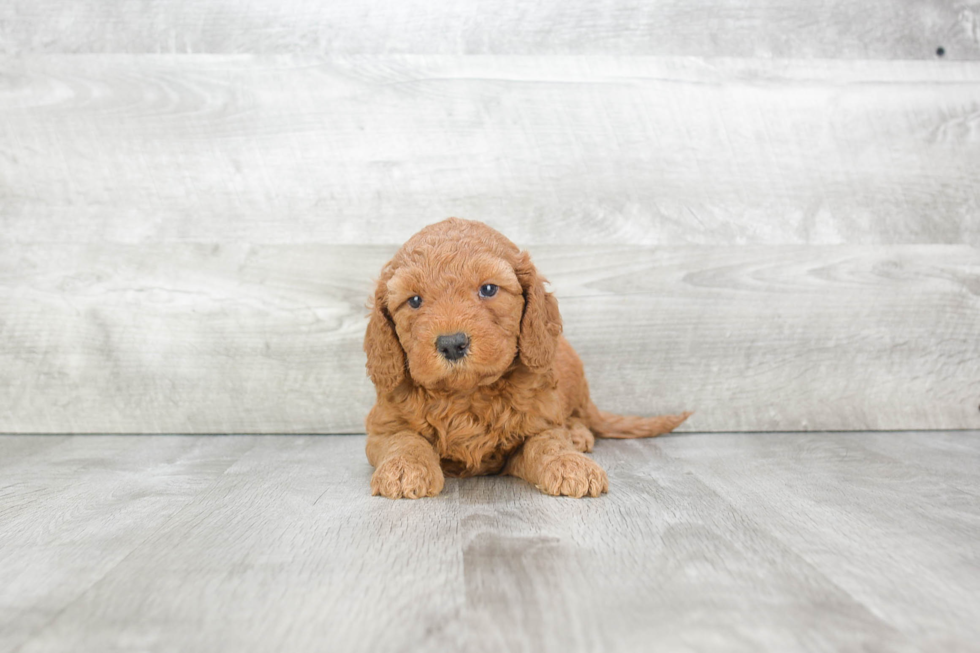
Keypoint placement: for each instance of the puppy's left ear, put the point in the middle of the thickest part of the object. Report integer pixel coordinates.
(541, 323)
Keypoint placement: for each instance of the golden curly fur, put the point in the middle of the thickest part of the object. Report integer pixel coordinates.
(516, 402)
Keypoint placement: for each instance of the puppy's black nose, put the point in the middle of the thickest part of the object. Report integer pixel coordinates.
(453, 347)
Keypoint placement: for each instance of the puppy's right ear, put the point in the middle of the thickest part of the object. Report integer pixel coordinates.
(385, 356)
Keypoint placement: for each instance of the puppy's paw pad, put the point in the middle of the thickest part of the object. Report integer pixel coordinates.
(404, 478)
(573, 475)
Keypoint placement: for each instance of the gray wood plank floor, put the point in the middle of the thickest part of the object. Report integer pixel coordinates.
(748, 542)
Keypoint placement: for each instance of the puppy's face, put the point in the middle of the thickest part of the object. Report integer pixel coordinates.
(457, 308)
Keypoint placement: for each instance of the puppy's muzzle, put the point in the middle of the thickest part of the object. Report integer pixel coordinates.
(453, 347)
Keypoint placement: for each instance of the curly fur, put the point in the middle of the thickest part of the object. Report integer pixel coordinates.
(517, 403)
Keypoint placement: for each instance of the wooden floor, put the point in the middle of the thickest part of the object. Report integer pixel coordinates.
(749, 542)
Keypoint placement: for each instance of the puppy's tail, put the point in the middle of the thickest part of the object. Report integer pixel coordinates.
(610, 425)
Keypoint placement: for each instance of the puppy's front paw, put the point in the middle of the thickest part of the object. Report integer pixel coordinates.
(400, 477)
(572, 474)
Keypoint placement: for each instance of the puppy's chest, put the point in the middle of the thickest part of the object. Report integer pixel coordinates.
(472, 438)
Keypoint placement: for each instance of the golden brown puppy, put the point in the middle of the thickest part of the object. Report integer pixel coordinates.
(473, 376)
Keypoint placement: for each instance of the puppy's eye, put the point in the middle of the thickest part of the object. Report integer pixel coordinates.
(488, 290)
(415, 301)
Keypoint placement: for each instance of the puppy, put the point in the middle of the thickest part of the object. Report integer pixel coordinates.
(473, 375)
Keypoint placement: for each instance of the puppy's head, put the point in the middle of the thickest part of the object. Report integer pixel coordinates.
(454, 309)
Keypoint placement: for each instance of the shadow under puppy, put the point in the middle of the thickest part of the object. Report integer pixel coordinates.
(473, 376)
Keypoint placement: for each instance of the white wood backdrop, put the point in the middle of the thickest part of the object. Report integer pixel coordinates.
(777, 206)
(872, 29)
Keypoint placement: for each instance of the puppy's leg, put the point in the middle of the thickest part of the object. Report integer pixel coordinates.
(406, 465)
(550, 462)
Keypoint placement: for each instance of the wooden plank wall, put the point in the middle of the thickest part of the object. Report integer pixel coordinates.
(777, 206)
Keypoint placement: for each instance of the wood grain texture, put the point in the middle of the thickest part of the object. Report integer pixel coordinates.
(577, 150)
(186, 338)
(875, 29)
(280, 548)
(841, 486)
(253, 339)
(75, 511)
(775, 542)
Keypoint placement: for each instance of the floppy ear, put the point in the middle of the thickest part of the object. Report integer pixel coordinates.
(385, 356)
(541, 323)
